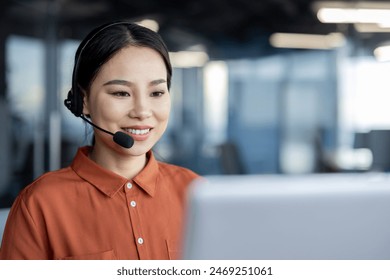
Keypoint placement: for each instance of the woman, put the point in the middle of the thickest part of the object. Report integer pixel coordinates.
(112, 202)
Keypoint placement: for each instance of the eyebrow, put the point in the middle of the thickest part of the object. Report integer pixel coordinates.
(128, 83)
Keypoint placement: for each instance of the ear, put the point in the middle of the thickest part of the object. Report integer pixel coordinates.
(86, 111)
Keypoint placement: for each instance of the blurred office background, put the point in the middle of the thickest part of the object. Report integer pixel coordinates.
(259, 87)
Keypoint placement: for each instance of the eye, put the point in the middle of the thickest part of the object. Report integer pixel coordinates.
(157, 93)
(121, 94)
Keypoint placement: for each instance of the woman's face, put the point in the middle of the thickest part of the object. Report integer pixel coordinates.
(130, 94)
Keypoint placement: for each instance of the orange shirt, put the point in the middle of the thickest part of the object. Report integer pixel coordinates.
(87, 212)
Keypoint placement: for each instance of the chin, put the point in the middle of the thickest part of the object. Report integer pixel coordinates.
(136, 150)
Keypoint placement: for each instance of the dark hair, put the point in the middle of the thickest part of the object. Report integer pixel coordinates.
(105, 41)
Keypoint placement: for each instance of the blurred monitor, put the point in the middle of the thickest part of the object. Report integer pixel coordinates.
(360, 140)
(379, 144)
(288, 217)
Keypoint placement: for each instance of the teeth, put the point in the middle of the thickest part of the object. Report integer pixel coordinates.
(137, 131)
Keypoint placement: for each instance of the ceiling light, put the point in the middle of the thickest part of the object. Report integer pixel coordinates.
(336, 15)
(307, 41)
(149, 23)
(353, 12)
(186, 59)
(382, 53)
(371, 28)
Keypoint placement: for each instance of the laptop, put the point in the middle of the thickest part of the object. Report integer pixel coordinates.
(289, 217)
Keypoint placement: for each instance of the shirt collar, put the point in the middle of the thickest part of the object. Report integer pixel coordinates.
(109, 182)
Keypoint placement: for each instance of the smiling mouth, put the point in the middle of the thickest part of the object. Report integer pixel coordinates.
(137, 131)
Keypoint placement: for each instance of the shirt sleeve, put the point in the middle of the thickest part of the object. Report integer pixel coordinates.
(22, 238)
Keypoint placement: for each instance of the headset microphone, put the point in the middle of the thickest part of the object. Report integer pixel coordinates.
(122, 139)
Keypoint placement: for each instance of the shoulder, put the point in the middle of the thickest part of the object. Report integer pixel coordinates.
(175, 175)
(48, 184)
(175, 178)
(175, 171)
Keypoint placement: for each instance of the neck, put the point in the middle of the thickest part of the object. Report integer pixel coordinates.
(125, 165)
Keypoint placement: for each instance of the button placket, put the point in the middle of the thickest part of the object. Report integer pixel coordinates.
(133, 198)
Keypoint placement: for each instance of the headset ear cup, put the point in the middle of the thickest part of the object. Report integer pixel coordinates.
(74, 102)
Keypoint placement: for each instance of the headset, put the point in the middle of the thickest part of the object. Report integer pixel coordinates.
(74, 101)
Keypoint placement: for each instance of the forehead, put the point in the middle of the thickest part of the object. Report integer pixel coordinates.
(133, 59)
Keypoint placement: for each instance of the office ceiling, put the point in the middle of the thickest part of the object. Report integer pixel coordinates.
(225, 27)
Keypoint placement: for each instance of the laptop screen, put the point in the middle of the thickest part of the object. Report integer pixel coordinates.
(339, 216)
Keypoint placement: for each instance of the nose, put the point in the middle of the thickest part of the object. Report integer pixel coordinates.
(140, 108)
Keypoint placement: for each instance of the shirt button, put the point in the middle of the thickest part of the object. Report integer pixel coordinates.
(140, 241)
(133, 203)
(129, 185)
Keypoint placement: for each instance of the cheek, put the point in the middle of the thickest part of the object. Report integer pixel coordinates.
(105, 110)
(163, 111)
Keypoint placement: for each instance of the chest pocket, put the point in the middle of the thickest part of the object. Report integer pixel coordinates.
(174, 249)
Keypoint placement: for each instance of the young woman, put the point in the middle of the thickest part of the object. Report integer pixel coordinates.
(115, 201)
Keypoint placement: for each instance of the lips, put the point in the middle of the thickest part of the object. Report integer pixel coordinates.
(138, 133)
